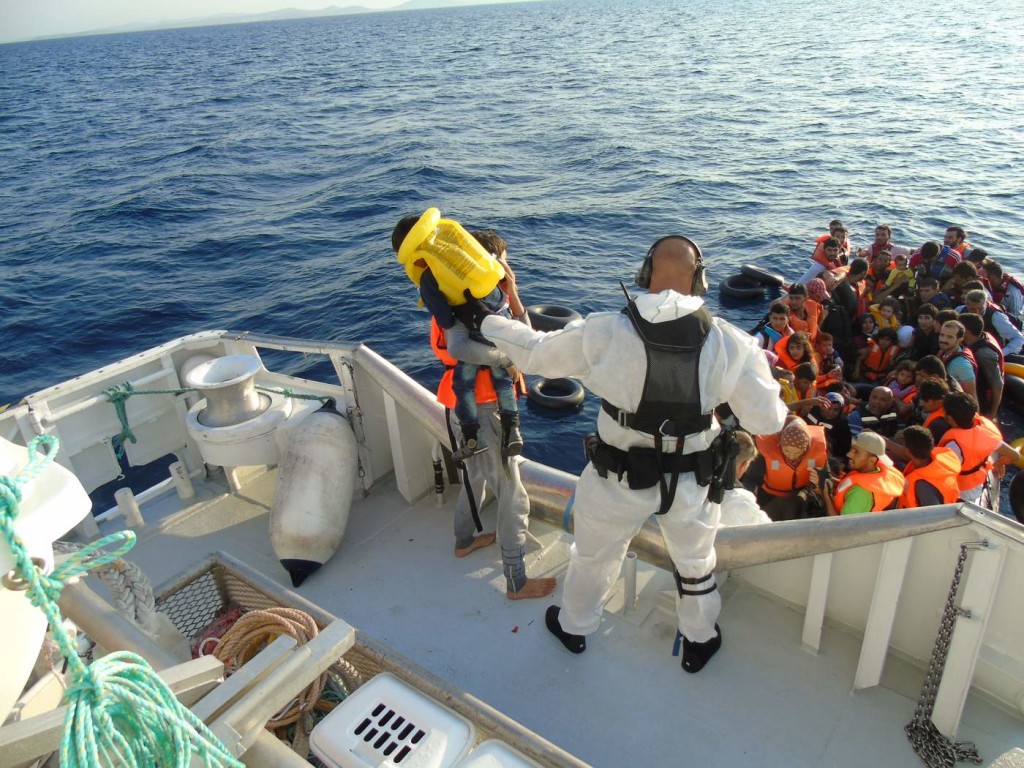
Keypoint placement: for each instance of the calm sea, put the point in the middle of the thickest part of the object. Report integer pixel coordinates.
(248, 176)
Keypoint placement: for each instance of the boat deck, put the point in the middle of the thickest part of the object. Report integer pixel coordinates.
(764, 700)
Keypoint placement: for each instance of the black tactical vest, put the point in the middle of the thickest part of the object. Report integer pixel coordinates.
(670, 403)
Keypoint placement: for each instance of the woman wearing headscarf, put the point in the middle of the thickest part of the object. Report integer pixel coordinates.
(789, 457)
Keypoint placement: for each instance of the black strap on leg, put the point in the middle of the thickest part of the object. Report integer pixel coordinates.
(682, 583)
(465, 473)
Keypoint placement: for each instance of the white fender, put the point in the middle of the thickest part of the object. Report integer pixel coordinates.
(51, 505)
(315, 482)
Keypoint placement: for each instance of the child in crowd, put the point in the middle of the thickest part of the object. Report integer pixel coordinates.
(901, 382)
(830, 364)
(458, 334)
(863, 331)
(886, 313)
(902, 275)
(793, 350)
(877, 359)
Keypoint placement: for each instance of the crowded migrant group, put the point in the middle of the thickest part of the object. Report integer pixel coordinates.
(891, 362)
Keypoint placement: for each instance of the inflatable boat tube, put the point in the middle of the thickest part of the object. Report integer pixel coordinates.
(758, 275)
(551, 317)
(315, 482)
(1014, 369)
(1016, 495)
(1019, 359)
(556, 393)
(1013, 393)
(741, 287)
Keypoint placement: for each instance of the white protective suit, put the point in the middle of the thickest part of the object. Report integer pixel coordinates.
(607, 355)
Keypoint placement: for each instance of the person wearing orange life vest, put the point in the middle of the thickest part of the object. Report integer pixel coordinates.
(877, 359)
(805, 314)
(873, 484)
(831, 252)
(793, 350)
(486, 474)
(931, 394)
(931, 473)
(975, 440)
(789, 456)
(955, 238)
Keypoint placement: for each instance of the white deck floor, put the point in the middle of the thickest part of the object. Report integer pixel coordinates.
(764, 700)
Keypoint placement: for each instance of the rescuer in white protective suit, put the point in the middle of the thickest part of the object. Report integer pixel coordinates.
(658, 449)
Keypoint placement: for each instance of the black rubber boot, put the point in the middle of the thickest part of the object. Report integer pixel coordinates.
(696, 655)
(573, 643)
(511, 437)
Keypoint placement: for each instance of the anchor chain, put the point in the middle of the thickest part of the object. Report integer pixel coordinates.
(935, 749)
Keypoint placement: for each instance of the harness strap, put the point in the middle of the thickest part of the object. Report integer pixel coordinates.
(668, 491)
(627, 420)
(975, 468)
(470, 496)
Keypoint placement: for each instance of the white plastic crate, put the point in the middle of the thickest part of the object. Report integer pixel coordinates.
(496, 754)
(388, 723)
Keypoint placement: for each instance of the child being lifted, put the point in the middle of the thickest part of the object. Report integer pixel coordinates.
(446, 262)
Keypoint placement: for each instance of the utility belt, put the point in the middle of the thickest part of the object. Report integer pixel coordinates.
(713, 468)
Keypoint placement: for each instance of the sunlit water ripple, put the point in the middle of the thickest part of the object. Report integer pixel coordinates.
(248, 177)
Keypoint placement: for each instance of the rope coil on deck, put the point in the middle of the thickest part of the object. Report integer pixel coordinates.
(253, 632)
(120, 713)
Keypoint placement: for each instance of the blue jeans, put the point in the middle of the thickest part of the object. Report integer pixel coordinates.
(464, 385)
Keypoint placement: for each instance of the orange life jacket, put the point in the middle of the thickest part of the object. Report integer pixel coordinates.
(780, 479)
(938, 413)
(820, 257)
(484, 388)
(810, 325)
(785, 359)
(976, 444)
(878, 363)
(885, 486)
(942, 472)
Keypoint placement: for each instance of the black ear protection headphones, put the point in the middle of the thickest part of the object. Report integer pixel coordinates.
(700, 278)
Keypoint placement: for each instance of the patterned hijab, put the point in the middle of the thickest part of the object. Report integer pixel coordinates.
(795, 435)
(817, 290)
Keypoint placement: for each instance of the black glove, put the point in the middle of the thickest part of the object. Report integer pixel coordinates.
(473, 312)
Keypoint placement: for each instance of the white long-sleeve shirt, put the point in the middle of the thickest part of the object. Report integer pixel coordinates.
(606, 354)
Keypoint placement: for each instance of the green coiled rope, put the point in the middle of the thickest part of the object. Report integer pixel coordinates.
(120, 712)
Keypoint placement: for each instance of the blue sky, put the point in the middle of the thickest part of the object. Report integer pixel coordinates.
(25, 19)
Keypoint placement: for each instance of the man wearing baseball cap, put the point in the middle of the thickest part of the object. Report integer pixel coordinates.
(871, 485)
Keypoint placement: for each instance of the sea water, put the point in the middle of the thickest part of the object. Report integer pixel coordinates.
(248, 176)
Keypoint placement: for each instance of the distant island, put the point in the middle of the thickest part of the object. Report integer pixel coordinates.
(281, 15)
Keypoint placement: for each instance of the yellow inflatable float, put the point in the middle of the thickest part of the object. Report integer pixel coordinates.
(1019, 445)
(453, 255)
(1015, 369)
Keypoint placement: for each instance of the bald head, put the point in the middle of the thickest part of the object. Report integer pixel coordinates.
(674, 263)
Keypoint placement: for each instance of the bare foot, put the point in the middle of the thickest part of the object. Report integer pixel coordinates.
(533, 588)
(483, 540)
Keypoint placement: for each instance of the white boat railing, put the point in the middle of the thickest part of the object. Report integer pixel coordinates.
(398, 422)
